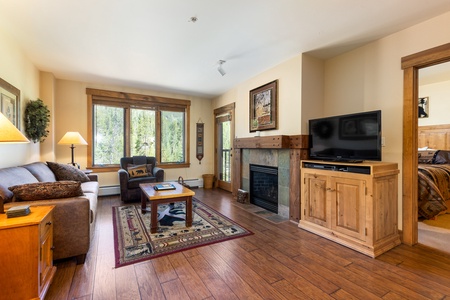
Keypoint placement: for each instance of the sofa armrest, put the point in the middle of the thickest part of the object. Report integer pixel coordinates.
(93, 177)
(159, 174)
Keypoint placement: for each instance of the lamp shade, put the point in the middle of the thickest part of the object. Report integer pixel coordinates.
(9, 133)
(72, 138)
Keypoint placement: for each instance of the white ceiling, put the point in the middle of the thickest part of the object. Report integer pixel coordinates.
(153, 44)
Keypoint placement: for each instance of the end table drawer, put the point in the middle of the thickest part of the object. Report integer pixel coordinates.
(46, 224)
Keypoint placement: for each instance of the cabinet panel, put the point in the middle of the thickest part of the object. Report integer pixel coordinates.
(385, 210)
(348, 206)
(315, 199)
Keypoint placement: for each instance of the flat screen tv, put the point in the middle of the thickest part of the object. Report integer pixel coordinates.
(351, 138)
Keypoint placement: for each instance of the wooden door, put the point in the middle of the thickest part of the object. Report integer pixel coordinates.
(224, 133)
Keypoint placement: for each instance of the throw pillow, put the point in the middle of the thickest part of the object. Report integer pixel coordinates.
(46, 190)
(67, 172)
(148, 166)
(138, 171)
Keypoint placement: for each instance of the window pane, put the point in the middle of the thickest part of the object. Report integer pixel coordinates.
(142, 135)
(108, 135)
(172, 137)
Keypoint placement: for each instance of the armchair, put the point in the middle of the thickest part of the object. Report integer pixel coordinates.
(129, 184)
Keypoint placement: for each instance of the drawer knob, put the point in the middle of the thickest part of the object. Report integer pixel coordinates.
(48, 223)
(52, 248)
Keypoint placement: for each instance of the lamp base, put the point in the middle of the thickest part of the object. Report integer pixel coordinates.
(74, 164)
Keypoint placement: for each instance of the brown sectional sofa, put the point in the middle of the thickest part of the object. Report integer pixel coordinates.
(74, 217)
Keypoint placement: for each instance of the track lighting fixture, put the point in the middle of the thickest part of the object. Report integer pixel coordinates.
(220, 69)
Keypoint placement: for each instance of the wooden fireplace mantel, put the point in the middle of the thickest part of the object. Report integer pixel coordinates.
(272, 142)
(298, 146)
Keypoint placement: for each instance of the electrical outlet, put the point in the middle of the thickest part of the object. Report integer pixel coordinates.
(383, 142)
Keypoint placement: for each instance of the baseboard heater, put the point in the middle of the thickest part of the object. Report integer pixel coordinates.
(109, 190)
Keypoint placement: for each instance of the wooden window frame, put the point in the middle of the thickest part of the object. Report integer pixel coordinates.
(131, 100)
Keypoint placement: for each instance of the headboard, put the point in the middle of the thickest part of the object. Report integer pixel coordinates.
(434, 137)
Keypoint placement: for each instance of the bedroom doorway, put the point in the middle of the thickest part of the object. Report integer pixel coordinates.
(223, 145)
(411, 65)
(433, 128)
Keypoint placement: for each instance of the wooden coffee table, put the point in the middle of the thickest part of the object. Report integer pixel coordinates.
(181, 193)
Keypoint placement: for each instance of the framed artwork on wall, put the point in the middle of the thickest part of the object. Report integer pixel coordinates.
(10, 102)
(424, 107)
(263, 107)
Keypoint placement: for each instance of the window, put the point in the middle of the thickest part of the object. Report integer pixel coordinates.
(125, 124)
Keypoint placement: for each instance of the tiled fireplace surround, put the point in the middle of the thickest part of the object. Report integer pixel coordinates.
(282, 151)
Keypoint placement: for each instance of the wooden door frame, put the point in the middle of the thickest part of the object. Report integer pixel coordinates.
(229, 108)
(411, 65)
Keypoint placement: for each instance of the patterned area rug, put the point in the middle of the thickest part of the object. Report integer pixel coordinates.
(133, 241)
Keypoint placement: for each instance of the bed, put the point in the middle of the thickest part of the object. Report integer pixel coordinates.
(433, 171)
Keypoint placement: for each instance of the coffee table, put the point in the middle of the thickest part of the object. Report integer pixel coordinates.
(180, 193)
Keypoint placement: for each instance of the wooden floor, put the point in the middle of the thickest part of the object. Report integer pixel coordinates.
(280, 261)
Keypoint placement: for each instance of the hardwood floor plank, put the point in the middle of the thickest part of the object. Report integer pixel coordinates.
(246, 272)
(149, 285)
(164, 269)
(279, 261)
(62, 281)
(218, 288)
(237, 284)
(188, 277)
(126, 283)
(174, 290)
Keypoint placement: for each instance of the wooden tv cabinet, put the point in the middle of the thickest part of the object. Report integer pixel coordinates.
(353, 204)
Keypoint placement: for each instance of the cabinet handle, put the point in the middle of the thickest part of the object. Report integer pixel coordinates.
(52, 248)
(329, 189)
(48, 223)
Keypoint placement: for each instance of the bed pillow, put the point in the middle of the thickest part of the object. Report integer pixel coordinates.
(46, 190)
(67, 172)
(427, 156)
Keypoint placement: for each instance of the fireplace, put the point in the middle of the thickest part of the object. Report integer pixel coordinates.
(264, 187)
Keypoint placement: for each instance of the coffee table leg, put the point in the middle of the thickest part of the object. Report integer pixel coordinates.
(153, 216)
(143, 203)
(189, 212)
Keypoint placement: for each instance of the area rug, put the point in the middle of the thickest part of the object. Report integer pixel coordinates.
(134, 243)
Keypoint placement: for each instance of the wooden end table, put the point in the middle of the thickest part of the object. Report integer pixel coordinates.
(180, 193)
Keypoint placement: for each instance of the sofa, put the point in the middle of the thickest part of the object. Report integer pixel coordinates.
(73, 193)
(134, 171)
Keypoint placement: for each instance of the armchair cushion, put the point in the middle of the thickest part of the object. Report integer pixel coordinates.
(140, 170)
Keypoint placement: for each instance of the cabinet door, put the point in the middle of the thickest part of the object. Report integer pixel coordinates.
(348, 206)
(315, 199)
(46, 258)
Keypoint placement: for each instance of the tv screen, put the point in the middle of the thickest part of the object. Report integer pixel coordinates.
(354, 137)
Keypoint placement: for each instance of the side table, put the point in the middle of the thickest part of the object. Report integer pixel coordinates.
(26, 254)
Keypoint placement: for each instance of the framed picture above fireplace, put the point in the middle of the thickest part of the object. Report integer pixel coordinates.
(263, 107)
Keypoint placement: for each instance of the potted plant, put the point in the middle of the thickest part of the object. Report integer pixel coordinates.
(37, 117)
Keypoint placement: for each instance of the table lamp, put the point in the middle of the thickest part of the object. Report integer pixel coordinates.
(72, 138)
(9, 134)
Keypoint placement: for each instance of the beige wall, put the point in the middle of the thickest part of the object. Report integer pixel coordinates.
(371, 78)
(16, 69)
(71, 115)
(288, 75)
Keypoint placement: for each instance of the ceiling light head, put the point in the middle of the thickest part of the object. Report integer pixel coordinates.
(220, 69)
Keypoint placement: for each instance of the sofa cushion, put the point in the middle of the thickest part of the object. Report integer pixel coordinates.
(67, 172)
(41, 171)
(13, 176)
(46, 190)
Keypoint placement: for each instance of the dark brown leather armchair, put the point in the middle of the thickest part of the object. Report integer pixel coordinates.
(129, 186)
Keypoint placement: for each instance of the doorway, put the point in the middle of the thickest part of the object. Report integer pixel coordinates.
(411, 65)
(223, 145)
